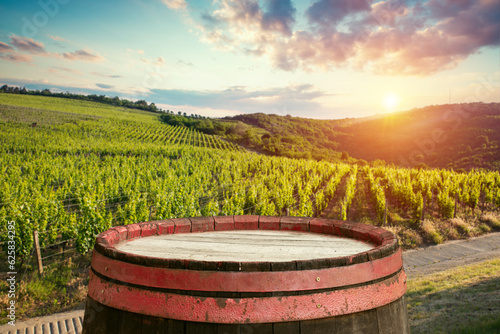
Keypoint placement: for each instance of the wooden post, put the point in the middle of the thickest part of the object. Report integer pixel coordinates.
(150, 212)
(37, 252)
(287, 211)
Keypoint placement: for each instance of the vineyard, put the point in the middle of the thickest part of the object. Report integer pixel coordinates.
(72, 169)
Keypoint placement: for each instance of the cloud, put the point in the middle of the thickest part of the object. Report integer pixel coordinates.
(441, 9)
(175, 4)
(388, 37)
(17, 58)
(138, 51)
(112, 76)
(5, 48)
(299, 98)
(244, 25)
(57, 38)
(329, 13)
(418, 48)
(280, 16)
(294, 99)
(31, 46)
(85, 55)
(159, 61)
(27, 44)
(7, 52)
(186, 63)
(103, 86)
(57, 69)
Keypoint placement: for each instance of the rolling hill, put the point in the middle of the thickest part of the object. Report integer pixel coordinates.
(459, 136)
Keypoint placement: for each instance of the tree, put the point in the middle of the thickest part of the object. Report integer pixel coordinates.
(345, 156)
(141, 103)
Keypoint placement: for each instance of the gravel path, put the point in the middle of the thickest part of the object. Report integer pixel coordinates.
(428, 260)
(418, 262)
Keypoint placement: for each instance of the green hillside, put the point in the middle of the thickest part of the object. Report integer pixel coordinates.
(447, 136)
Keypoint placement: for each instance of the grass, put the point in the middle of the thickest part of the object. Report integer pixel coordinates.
(460, 300)
(435, 231)
(491, 219)
(430, 232)
(61, 287)
(484, 325)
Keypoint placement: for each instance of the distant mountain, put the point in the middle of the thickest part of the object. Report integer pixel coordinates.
(451, 136)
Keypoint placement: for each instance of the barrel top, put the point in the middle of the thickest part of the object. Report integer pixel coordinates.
(249, 245)
(253, 243)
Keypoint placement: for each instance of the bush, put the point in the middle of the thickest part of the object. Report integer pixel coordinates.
(430, 232)
(492, 220)
(461, 226)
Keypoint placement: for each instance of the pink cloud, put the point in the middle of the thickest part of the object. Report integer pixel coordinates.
(17, 58)
(27, 44)
(138, 51)
(85, 55)
(390, 37)
(57, 38)
(245, 21)
(159, 61)
(58, 69)
(175, 4)
(5, 48)
(33, 47)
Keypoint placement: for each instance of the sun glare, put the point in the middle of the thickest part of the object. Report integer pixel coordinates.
(391, 102)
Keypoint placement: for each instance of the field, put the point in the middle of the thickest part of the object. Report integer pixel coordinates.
(461, 300)
(72, 169)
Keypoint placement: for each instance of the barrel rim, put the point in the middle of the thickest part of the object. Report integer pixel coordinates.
(386, 243)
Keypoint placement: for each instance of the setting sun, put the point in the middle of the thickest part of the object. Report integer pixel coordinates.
(390, 101)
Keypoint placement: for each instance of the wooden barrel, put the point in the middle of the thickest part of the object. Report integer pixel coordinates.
(246, 274)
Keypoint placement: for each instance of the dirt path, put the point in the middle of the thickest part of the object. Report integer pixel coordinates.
(418, 262)
(428, 260)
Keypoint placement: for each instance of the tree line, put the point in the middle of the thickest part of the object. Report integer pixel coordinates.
(115, 101)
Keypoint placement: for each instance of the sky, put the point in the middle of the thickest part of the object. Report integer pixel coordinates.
(324, 59)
